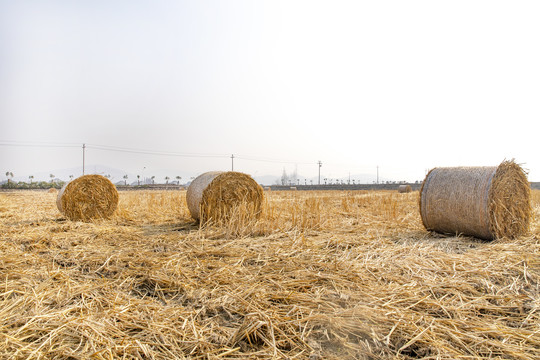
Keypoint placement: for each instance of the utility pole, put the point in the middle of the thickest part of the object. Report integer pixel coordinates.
(377, 174)
(232, 162)
(320, 164)
(83, 151)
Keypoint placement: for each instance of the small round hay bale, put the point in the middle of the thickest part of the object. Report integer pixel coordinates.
(485, 202)
(404, 189)
(216, 195)
(88, 197)
(52, 190)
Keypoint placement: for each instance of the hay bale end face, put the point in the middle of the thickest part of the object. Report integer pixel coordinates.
(404, 188)
(88, 197)
(217, 195)
(485, 202)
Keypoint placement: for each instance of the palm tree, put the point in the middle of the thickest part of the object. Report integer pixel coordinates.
(52, 178)
(31, 177)
(9, 176)
(138, 177)
(152, 177)
(178, 178)
(167, 180)
(70, 177)
(125, 179)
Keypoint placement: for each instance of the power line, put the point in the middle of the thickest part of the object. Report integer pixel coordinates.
(40, 145)
(146, 151)
(152, 152)
(168, 153)
(272, 160)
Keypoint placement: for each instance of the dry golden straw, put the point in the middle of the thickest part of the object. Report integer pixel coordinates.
(216, 196)
(88, 197)
(404, 188)
(485, 202)
(325, 274)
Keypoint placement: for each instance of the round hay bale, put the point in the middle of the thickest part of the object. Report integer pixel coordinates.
(216, 195)
(88, 197)
(485, 202)
(52, 190)
(404, 189)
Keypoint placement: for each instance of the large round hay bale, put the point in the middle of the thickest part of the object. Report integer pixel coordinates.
(485, 202)
(216, 196)
(404, 189)
(88, 197)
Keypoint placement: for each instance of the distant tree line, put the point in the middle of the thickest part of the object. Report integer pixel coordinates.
(33, 185)
(10, 184)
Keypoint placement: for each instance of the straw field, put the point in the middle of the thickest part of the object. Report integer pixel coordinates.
(319, 275)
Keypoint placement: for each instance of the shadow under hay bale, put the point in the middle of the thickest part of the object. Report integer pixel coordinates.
(216, 196)
(404, 189)
(88, 197)
(485, 202)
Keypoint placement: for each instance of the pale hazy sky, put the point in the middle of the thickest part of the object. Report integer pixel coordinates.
(406, 85)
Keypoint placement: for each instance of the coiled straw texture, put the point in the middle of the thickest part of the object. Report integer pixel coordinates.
(88, 197)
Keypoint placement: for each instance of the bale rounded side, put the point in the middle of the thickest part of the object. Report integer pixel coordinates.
(404, 189)
(485, 202)
(88, 197)
(217, 195)
(195, 191)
